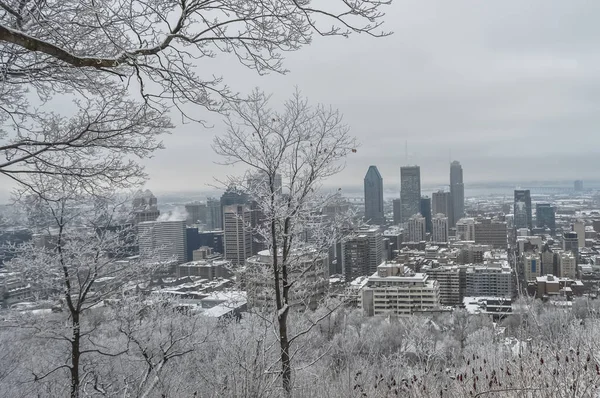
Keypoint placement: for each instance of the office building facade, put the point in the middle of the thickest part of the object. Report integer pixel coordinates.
(440, 229)
(522, 209)
(457, 192)
(373, 184)
(426, 212)
(491, 232)
(237, 234)
(441, 203)
(163, 241)
(545, 216)
(416, 228)
(410, 191)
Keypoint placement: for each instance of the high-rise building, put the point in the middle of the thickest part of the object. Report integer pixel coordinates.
(355, 257)
(196, 213)
(567, 265)
(465, 229)
(393, 291)
(397, 209)
(426, 212)
(410, 191)
(545, 216)
(362, 253)
(578, 185)
(441, 203)
(374, 197)
(237, 236)
(522, 209)
(490, 232)
(452, 282)
(416, 228)
(214, 214)
(440, 228)
(457, 191)
(571, 243)
(145, 207)
(532, 266)
(255, 182)
(579, 228)
(163, 241)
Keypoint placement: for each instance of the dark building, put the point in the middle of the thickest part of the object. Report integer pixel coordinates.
(522, 209)
(426, 212)
(410, 191)
(212, 239)
(457, 192)
(355, 254)
(192, 241)
(545, 216)
(397, 208)
(374, 197)
(196, 213)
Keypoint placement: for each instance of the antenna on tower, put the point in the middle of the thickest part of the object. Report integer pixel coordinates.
(406, 151)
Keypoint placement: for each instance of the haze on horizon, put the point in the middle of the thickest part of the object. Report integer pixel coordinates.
(510, 89)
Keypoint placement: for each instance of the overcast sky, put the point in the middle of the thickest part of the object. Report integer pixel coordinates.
(511, 88)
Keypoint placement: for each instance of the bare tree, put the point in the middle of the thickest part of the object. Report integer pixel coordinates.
(77, 261)
(301, 145)
(90, 54)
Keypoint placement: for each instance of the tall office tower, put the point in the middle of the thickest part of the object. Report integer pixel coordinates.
(214, 216)
(145, 207)
(426, 212)
(579, 228)
(163, 240)
(196, 213)
(374, 197)
(493, 233)
(355, 257)
(416, 228)
(457, 191)
(237, 233)
(578, 185)
(440, 228)
(410, 191)
(522, 209)
(545, 216)
(441, 203)
(233, 196)
(571, 243)
(465, 229)
(397, 208)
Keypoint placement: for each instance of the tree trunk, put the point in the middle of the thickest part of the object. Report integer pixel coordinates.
(75, 355)
(286, 369)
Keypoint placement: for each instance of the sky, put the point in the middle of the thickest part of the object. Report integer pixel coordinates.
(511, 89)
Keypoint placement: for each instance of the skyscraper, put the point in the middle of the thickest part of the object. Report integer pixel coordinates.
(416, 228)
(545, 216)
(163, 240)
(145, 207)
(374, 197)
(457, 192)
(237, 233)
(397, 210)
(214, 216)
(441, 203)
(410, 191)
(440, 228)
(196, 213)
(522, 209)
(426, 212)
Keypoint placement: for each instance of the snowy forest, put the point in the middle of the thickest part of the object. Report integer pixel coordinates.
(150, 351)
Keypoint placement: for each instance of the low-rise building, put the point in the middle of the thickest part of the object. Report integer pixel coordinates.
(395, 290)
